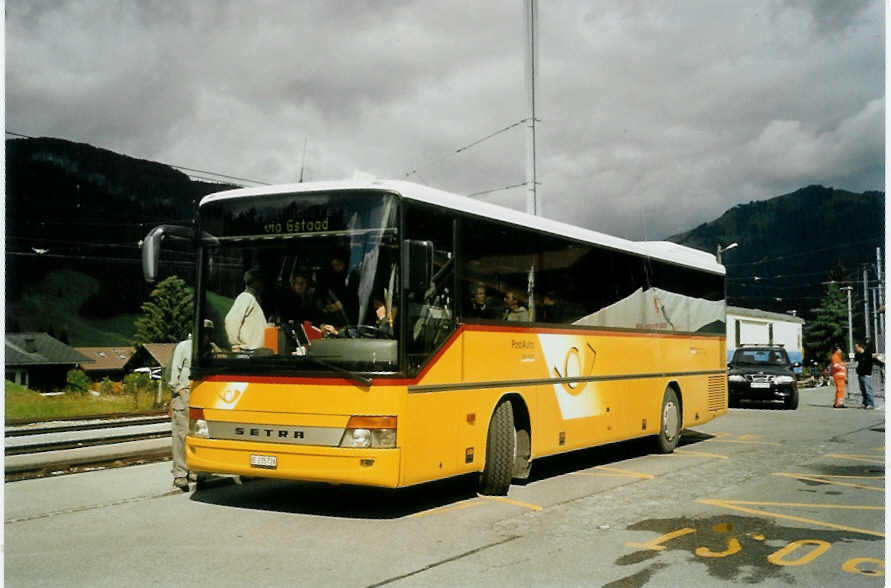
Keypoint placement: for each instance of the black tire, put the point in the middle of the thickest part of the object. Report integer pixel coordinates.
(669, 423)
(791, 401)
(201, 482)
(501, 448)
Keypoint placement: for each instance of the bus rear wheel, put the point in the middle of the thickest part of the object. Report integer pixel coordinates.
(670, 422)
(501, 450)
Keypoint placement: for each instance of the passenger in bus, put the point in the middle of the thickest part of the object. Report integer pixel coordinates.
(479, 304)
(245, 322)
(551, 309)
(336, 296)
(297, 303)
(514, 311)
(385, 323)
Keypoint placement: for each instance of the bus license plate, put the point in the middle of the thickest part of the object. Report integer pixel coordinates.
(760, 384)
(268, 462)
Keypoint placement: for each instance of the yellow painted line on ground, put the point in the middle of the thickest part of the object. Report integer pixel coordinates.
(748, 437)
(737, 505)
(656, 544)
(741, 442)
(799, 504)
(816, 478)
(441, 509)
(626, 472)
(865, 458)
(511, 501)
(684, 452)
(603, 475)
(880, 448)
(847, 477)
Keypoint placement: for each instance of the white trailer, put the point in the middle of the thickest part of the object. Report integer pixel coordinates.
(760, 327)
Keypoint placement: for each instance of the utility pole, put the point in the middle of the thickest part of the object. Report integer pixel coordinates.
(866, 301)
(533, 206)
(848, 289)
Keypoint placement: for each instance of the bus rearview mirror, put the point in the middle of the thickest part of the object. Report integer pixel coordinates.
(151, 247)
(418, 264)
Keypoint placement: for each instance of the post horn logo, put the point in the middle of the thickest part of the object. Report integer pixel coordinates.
(577, 365)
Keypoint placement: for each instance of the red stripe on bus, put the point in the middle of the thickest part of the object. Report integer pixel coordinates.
(385, 381)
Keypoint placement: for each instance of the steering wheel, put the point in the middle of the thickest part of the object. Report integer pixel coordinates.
(368, 331)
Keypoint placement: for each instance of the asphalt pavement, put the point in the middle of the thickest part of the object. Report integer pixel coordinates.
(761, 496)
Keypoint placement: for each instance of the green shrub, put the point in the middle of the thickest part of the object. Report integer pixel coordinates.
(136, 383)
(106, 387)
(77, 381)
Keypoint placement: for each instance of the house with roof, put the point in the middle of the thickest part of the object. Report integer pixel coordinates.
(108, 362)
(150, 355)
(39, 361)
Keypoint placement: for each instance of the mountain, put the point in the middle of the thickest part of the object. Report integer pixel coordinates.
(72, 207)
(790, 245)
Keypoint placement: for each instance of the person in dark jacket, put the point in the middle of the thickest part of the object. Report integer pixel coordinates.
(551, 309)
(480, 307)
(864, 356)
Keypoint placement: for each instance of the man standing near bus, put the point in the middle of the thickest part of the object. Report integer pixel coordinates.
(180, 385)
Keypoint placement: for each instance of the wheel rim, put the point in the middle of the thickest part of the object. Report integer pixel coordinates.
(669, 421)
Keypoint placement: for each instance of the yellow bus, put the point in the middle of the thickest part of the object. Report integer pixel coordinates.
(384, 333)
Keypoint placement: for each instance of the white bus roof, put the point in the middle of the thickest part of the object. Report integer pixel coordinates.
(663, 250)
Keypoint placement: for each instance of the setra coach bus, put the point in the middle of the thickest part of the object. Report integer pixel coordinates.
(387, 334)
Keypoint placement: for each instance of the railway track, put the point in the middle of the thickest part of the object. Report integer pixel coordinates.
(42, 449)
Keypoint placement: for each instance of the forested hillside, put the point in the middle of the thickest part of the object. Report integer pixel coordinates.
(790, 245)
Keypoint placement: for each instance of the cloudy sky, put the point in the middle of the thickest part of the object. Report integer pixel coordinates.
(655, 116)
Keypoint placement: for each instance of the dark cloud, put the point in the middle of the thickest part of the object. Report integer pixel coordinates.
(655, 116)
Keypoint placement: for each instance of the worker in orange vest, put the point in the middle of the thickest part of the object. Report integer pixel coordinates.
(840, 375)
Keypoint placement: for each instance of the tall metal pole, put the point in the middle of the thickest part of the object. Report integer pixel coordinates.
(875, 319)
(880, 272)
(533, 206)
(850, 324)
(866, 301)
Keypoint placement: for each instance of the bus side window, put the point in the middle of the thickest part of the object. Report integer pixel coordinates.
(430, 314)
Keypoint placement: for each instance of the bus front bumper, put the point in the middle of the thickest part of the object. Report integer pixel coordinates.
(336, 465)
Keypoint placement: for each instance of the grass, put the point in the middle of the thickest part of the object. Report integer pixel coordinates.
(25, 404)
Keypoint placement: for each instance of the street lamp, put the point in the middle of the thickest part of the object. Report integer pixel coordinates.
(721, 250)
(848, 289)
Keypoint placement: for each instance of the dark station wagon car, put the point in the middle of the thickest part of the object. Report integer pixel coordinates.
(762, 373)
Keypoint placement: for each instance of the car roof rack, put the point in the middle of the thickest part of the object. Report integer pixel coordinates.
(761, 345)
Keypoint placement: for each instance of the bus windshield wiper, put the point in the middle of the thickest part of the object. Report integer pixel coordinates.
(352, 376)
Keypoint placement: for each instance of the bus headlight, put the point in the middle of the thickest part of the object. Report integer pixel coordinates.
(197, 423)
(371, 432)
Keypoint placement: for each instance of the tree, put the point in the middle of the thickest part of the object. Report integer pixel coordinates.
(829, 328)
(167, 316)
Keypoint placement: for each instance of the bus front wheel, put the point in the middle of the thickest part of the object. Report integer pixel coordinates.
(501, 449)
(670, 422)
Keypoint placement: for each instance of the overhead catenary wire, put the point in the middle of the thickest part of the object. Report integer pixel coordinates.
(871, 239)
(415, 170)
(497, 189)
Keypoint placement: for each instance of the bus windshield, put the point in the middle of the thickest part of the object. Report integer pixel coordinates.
(300, 282)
